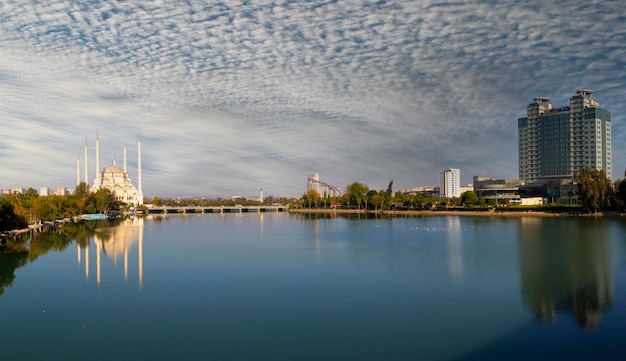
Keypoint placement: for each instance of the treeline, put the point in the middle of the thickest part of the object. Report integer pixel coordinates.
(357, 195)
(595, 193)
(20, 210)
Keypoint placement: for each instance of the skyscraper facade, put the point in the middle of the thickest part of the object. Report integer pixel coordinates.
(450, 183)
(554, 143)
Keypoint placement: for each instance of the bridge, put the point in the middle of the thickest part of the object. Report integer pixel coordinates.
(222, 209)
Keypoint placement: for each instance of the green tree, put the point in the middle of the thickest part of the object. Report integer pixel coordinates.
(399, 199)
(357, 194)
(620, 188)
(378, 200)
(102, 201)
(593, 188)
(389, 193)
(469, 198)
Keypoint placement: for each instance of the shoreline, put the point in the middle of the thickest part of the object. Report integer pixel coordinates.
(451, 213)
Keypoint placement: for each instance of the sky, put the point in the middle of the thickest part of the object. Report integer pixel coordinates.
(229, 97)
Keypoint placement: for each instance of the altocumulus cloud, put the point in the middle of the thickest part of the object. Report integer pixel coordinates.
(239, 95)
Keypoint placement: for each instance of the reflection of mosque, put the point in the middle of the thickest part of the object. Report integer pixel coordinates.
(566, 268)
(116, 243)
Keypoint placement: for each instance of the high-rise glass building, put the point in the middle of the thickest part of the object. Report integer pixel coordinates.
(554, 143)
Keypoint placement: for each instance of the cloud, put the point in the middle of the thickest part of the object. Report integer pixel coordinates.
(232, 97)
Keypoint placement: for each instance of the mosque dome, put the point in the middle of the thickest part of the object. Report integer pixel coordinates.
(112, 169)
(116, 179)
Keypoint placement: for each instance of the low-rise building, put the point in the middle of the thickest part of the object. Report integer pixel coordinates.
(505, 190)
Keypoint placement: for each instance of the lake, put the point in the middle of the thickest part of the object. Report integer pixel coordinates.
(275, 286)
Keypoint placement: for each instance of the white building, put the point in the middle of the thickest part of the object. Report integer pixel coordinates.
(44, 191)
(114, 178)
(323, 189)
(450, 183)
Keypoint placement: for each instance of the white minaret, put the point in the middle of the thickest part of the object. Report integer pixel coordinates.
(78, 169)
(261, 196)
(96, 182)
(86, 164)
(139, 188)
(125, 170)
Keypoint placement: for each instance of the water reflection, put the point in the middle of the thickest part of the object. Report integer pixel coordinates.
(566, 268)
(18, 252)
(9, 262)
(454, 248)
(116, 243)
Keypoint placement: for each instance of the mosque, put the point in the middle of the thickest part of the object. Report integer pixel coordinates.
(114, 178)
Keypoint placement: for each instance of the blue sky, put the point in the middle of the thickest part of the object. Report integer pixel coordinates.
(229, 97)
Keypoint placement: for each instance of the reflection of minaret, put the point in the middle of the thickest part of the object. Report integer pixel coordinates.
(98, 264)
(117, 241)
(454, 248)
(566, 267)
(87, 261)
(140, 260)
(261, 220)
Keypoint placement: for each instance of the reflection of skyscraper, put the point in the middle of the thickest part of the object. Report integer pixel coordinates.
(566, 266)
(454, 248)
(117, 243)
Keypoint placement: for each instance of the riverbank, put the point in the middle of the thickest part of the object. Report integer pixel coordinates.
(33, 228)
(486, 213)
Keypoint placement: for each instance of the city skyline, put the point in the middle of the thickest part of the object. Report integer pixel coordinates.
(228, 99)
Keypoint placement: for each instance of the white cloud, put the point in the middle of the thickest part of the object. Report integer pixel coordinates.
(231, 98)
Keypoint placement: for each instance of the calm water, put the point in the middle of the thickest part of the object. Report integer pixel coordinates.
(285, 287)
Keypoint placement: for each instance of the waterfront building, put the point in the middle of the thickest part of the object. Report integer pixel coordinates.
(554, 143)
(450, 183)
(504, 190)
(428, 191)
(323, 189)
(44, 191)
(116, 179)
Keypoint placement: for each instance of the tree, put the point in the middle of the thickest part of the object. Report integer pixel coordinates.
(593, 188)
(469, 198)
(311, 197)
(357, 193)
(389, 193)
(400, 198)
(620, 188)
(103, 201)
(8, 219)
(378, 200)
(82, 190)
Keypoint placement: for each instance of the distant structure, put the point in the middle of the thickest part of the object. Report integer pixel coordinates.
(44, 191)
(450, 183)
(501, 190)
(554, 143)
(114, 178)
(323, 189)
